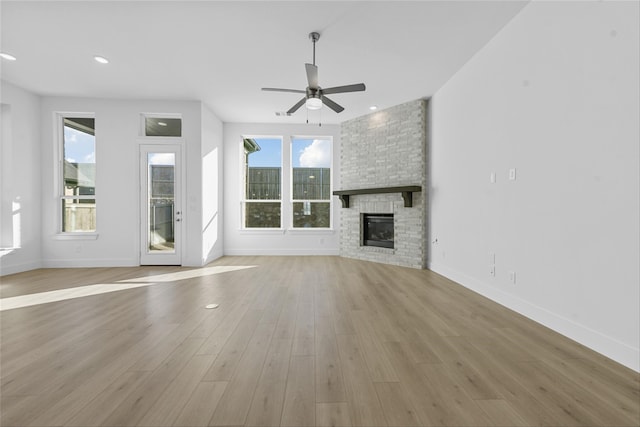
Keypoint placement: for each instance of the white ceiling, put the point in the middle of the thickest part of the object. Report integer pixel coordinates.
(223, 52)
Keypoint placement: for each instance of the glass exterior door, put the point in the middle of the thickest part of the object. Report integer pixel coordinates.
(160, 205)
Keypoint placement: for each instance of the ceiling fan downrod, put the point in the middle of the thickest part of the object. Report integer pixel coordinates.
(314, 38)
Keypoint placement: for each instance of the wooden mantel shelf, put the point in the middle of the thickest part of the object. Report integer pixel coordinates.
(407, 193)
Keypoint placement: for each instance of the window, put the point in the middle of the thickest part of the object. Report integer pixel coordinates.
(263, 187)
(162, 125)
(78, 187)
(311, 182)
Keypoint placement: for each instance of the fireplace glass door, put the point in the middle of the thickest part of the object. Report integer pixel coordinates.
(377, 230)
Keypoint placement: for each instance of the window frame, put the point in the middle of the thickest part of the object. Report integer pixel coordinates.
(59, 181)
(291, 192)
(243, 187)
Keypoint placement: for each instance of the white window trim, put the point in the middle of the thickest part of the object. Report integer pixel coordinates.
(76, 236)
(58, 179)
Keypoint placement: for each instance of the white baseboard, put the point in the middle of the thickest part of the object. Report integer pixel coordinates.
(212, 257)
(88, 263)
(282, 252)
(5, 269)
(611, 348)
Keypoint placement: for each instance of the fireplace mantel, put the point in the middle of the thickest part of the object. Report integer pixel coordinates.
(407, 193)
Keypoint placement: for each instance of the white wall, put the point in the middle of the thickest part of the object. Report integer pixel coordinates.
(268, 242)
(20, 156)
(212, 194)
(118, 135)
(556, 96)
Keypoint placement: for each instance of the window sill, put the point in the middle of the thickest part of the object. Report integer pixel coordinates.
(314, 231)
(300, 231)
(76, 236)
(266, 231)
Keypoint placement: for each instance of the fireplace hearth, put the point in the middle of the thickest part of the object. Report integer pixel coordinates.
(377, 230)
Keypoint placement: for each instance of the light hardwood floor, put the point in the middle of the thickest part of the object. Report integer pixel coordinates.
(296, 341)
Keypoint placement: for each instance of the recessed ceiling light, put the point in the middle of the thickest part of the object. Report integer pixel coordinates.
(373, 107)
(7, 56)
(101, 59)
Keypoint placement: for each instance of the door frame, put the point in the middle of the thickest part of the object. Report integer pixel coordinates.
(145, 256)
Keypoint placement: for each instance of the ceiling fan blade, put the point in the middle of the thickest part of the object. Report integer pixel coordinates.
(298, 105)
(329, 103)
(348, 88)
(312, 75)
(275, 89)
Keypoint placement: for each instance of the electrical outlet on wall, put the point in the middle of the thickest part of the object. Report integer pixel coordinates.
(491, 256)
(512, 277)
(512, 174)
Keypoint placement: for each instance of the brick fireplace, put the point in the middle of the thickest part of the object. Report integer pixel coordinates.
(386, 149)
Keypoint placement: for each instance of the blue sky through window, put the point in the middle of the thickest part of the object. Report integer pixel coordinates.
(305, 152)
(79, 147)
(270, 154)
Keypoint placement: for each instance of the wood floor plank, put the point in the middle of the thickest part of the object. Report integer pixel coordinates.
(333, 415)
(437, 400)
(501, 413)
(60, 411)
(96, 411)
(16, 410)
(328, 370)
(359, 389)
(285, 326)
(581, 407)
(622, 397)
(374, 353)
(467, 370)
(459, 408)
(300, 401)
(227, 360)
(221, 334)
(236, 401)
(201, 404)
(169, 406)
(143, 397)
(304, 334)
(266, 405)
(396, 404)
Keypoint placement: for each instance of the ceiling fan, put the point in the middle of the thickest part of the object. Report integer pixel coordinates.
(315, 95)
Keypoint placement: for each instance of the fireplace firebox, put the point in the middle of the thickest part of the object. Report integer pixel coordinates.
(377, 230)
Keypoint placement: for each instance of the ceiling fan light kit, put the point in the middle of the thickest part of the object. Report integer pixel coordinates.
(315, 97)
(313, 103)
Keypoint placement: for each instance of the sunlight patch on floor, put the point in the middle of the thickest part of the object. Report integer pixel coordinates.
(189, 274)
(89, 290)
